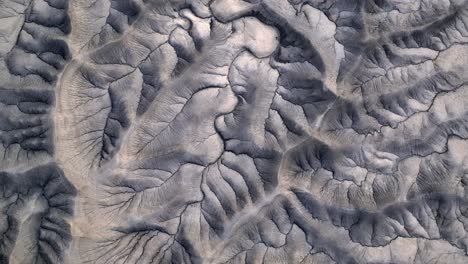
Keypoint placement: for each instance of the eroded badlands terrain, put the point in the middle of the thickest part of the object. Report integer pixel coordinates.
(233, 131)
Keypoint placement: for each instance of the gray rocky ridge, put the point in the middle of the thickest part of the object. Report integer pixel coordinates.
(233, 131)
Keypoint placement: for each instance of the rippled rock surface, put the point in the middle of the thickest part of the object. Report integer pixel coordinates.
(233, 131)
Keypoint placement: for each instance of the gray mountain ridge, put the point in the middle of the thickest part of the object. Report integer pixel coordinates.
(233, 131)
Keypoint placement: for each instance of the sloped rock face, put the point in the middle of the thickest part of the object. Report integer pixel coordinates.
(233, 131)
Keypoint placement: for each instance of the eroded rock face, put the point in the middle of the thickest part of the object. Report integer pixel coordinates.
(233, 131)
